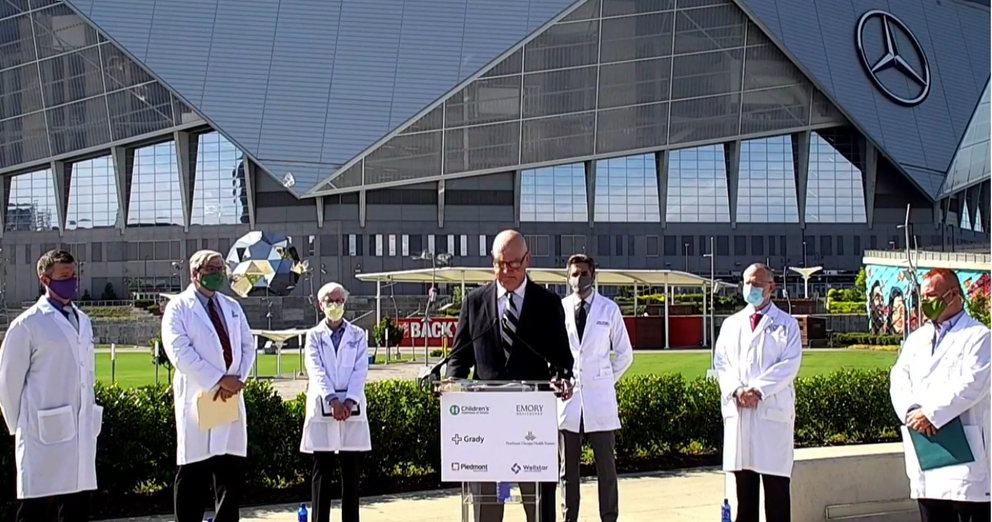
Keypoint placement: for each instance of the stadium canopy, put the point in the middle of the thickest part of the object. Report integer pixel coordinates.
(668, 279)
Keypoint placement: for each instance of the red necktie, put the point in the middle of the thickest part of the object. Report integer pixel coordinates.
(755, 319)
(225, 341)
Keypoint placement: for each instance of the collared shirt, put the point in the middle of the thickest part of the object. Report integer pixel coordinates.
(585, 303)
(67, 311)
(518, 297)
(336, 335)
(941, 330)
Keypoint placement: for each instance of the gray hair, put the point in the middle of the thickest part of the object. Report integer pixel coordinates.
(202, 258)
(329, 289)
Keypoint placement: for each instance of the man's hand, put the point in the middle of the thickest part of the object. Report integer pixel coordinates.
(919, 422)
(349, 405)
(338, 410)
(231, 383)
(746, 398)
(223, 394)
(565, 389)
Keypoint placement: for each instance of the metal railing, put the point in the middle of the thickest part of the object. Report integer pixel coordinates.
(923, 257)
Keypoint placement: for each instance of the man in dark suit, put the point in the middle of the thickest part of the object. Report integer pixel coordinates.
(527, 313)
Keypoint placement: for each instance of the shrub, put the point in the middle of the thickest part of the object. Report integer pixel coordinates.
(846, 307)
(978, 308)
(108, 293)
(874, 347)
(847, 339)
(396, 333)
(137, 446)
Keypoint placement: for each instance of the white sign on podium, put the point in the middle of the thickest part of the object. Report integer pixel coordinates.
(499, 437)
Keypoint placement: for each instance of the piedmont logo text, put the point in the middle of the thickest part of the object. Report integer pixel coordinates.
(468, 439)
(530, 409)
(468, 410)
(527, 468)
(464, 466)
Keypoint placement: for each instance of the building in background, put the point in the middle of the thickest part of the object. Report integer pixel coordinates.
(134, 132)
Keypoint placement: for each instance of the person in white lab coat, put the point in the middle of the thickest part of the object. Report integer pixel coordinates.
(942, 374)
(595, 330)
(337, 363)
(207, 338)
(46, 395)
(757, 357)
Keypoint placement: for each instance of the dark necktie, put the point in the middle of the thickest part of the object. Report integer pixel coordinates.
(225, 341)
(510, 323)
(755, 319)
(580, 319)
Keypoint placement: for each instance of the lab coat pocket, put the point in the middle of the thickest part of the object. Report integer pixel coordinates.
(97, 420)
(776, 414)
(978, 469)
(56, 425)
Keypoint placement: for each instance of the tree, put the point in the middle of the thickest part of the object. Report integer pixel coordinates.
(860, 282)
(108, 293)
(978, 308)
(396, 333)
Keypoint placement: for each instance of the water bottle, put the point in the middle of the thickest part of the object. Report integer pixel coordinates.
(725, 511)
(210, 519)
(502, 491)
(301, 514)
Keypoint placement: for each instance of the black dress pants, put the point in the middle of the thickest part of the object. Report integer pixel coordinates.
(193, 485)
(953, 511)
(778, 500)
(323, 469)
(61, 508)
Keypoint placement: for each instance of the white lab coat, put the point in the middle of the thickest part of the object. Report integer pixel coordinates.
(594, 398)
(947, 384)
(46, 394)
(760, 439)
(340, 374)
(192, 344)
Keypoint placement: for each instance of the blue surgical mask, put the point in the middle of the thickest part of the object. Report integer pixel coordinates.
(753, 295)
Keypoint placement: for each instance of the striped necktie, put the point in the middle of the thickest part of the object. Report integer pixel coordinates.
(511, 320)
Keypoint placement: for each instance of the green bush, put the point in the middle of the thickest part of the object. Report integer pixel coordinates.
(136, 455)
(978, 308)
(396, 333)
(848, 339)
(845, 307)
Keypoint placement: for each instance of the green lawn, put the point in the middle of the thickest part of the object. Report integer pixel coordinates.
(136, 369)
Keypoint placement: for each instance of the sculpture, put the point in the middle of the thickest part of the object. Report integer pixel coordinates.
(263, 264)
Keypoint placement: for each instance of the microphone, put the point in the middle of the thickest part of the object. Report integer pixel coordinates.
(565, 373)
(434, 373)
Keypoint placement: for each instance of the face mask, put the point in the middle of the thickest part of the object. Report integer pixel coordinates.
(334, 312)
(753, 295)
(933, 308)
(64, 288)
(580, 284)
(213, 281)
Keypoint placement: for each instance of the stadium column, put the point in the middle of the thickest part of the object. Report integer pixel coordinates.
(62, 180)
(661, 171)
(985, 191)
(7, 180)
(320, 211)
(440, 203)
(123, 159)
(732, 157)
(591, 190)
(974, 202)
(868, 175)
(361, 208)
(516, 197)
(960, 198)
(938, 214)
(186, 144)
(251, 170)
(800, 169)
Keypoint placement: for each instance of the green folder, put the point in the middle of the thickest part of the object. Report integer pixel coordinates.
(947, 447)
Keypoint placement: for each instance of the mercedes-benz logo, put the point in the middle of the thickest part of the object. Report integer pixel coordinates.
(891, 58)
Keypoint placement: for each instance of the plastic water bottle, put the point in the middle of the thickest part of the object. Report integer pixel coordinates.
(301, 514)
(725, 511)
(210, 519)
(502, 491)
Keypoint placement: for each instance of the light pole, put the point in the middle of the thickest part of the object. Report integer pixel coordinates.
(712, 256)
(804, 254)
(685, 250)
(806, 273)
(436, 260)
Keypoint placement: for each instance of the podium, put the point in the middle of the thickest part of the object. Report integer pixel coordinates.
(503, 432)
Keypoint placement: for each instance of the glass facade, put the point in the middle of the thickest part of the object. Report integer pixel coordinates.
(971, 164)
(554, 194)
(697, 186)
(219, 188)
(627, 190)
(93, 195)
(156, 196)
(65, 88)
(31, 206)
(835, 193)
(613, 76)
(767, 182)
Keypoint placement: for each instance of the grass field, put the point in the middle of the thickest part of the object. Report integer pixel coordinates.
(136, 369)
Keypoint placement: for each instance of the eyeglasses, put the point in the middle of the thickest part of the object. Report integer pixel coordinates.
(512, 265)
(329, 301)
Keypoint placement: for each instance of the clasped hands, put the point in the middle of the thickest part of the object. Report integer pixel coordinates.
(747, 397)
(917, 421)
(228, 386)
(565, 389)
(341, 411)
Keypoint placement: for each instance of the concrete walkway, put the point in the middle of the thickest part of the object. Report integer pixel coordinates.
(678, 496)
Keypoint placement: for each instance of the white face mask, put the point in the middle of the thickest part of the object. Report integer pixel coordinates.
(334, 311)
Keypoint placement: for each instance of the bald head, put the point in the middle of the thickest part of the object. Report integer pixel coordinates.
(759, 272)
(510, 259)
(509, 241)
(759, 284)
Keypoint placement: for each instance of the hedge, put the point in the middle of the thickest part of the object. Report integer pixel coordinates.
(136, 456)
(847, 339)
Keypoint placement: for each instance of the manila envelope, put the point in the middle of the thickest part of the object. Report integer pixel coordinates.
(212, 413)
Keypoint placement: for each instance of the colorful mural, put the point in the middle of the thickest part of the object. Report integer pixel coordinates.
(889, 300)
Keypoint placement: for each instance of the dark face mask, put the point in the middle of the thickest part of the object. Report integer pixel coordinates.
(212, 281)
(581, 284)
(64, 288)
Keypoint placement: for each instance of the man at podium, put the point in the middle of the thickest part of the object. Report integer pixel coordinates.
(516, 329)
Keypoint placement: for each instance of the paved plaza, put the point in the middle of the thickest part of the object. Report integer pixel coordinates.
(678, 496)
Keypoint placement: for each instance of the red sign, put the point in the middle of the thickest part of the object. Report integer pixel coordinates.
(436, 331)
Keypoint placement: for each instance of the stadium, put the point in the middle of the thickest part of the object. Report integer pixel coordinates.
(134, 132)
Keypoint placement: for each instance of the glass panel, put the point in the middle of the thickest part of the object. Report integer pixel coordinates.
(709, 28)
(971, 163)
(776, 109)
(766, 66)
(59, 30)
(16, 43)
(766, 190)
(92, 195)
(549, 139)
(706, 74)
(965, 217)
(513, 64)
(485, 101)
(20, 91)
(632, 128)
(637, 37)
(406, 157)
(219, 191)
(119, 70)
(78, 125)
(433, 120)
(479, 148)
(71, 77)
(139, 110)
(834, 191)
(559, 92)
(628, 7)
(705, 118)
(554, 194)
(155, 191)
(563, 45)
(627, 190)
(23, 139)
(634, 83)
(31, 206)
(585, 11)
(697, 186)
